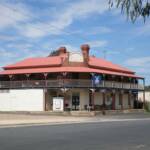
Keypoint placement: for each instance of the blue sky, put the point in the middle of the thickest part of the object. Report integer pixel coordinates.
(30, 28)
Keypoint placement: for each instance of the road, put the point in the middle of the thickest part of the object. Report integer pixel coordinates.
(126, 135)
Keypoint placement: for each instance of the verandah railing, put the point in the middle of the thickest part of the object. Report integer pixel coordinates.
(70, 83)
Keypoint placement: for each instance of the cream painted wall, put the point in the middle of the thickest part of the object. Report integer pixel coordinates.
(147, 96)
(84, 97)
(22, 100)
(98, 98)
(125, 101)
(117, 101)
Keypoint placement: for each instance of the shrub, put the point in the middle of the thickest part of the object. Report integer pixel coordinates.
(147, 106)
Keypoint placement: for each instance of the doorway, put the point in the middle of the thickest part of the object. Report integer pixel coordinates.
(75, 101)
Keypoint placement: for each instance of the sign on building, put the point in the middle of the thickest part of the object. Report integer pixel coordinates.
(58, 104)
(96, 79)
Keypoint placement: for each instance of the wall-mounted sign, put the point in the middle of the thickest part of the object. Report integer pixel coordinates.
(58, 103)
(96, 79)
(75, 57)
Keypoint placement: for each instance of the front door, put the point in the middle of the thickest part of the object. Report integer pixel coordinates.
(75, 101)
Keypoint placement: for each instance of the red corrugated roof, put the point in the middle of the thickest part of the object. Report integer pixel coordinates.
(104, 64)
(54, 64)
(65, 69)
(36, 62)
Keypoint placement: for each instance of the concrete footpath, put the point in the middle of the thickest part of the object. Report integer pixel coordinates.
(16, 119)
(8, 119)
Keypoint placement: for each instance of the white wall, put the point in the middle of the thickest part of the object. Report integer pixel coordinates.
(22, 100)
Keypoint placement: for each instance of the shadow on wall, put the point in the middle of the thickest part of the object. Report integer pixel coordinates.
(138, 104)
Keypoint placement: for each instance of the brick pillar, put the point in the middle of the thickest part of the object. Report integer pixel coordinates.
(113, 101)
(93, 93)
(104, 100)
(45, 100)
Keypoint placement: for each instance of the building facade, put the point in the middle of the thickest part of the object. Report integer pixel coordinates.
(80, 81)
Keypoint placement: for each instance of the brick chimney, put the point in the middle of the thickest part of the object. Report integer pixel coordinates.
(62, 50)
(85, 51)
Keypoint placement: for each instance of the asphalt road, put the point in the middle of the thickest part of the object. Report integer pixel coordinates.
(128, 135)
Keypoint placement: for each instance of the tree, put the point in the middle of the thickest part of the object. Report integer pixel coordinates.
(54, 53)
(133, 8)
(147, 88)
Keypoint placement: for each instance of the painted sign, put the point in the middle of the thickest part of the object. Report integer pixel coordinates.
(75, 57)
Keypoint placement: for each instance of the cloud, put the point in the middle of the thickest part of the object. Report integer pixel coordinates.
(19, 46)
(141, 65)
(7, 54)
(12, 14)
(92, 31)
(99, 30)
(23, 20)
(65, 17)
(144, 29)
(97, 43)
(8, 38)
(139, 62)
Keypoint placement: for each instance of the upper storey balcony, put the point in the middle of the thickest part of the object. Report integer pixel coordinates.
(71, 80)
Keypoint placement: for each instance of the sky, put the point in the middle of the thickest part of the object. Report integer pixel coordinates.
(33, 28)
